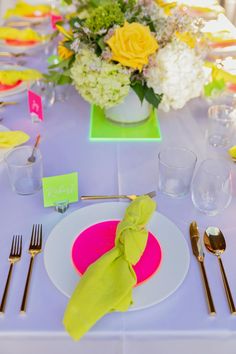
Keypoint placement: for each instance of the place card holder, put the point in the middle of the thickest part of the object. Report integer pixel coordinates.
(61, 206)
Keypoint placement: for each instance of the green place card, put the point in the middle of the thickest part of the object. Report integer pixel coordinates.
(103, 129)
(60, 188)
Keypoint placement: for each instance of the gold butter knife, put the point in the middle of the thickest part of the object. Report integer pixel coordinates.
(199, 254)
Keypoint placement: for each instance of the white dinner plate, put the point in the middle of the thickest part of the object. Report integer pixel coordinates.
(19, 89)
(170, 275)
(3, 151)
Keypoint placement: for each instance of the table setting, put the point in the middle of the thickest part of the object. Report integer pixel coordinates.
(117, 178)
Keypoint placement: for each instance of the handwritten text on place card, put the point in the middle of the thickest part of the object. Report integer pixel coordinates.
(60, 188)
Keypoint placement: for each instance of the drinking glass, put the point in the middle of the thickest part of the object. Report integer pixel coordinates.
(46, 91)
(25, 177)
(212, 187)
(176, 166)
(221, 125)
(62, 93)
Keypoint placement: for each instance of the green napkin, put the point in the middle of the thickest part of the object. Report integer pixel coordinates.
(107, 284)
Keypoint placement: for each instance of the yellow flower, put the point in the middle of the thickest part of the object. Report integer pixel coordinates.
(63, 52)
(66, 33)
(167, 7)
(132, 44)
(187, 38)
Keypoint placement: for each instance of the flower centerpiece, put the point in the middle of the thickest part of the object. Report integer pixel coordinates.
(127, 53)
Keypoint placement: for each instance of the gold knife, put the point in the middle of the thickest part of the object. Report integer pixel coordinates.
(199, 254)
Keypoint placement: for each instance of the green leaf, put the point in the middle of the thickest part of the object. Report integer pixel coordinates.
(153, 98)
(139, 89)
(101, 43)
(64, 80)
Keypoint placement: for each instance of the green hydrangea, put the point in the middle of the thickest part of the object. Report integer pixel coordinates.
(104, 17)
(99, 82)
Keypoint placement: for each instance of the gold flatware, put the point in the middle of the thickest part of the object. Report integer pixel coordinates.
(199, 254)
(14, 256)
(12, 55)
(22, 24)
(215, 243)
(35, 248)
(31, 159)
(130, 196)
(3, 103)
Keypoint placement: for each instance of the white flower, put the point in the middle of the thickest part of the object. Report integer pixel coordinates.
(177, 73)
(99, 82)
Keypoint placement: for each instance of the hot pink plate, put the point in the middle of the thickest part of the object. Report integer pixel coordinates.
(98, 239)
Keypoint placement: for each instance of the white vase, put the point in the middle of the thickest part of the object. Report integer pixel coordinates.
(131, 110)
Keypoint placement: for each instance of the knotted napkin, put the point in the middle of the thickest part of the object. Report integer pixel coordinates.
(10, 77)
(12, 139)
(27, 34)
(232, 152)
(22, 8)
(107, 284)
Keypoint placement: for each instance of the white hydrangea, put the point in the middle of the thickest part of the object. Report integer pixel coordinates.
(178, 73)
(99, 82)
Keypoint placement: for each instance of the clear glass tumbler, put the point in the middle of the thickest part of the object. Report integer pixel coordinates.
(25, 177)
(212, 186)
(46, 90)
(221, 125)
(176, 166)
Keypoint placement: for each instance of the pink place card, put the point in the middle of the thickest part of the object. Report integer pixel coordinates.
(35, 104)
(54, 19)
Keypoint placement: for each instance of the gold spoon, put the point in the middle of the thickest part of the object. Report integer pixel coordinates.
(215, 243)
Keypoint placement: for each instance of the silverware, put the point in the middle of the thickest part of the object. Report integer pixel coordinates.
(215, 243)
(3, 103)
(31, 159)
(35, 248)
(12, 55)
(14, 256)
(22, 24)
(199, 254)
(130, 197)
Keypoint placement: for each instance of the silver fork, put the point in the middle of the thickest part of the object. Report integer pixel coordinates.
(14, 256)
(122, 196)
(35, 248)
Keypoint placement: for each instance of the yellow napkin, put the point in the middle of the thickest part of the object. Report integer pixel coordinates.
(24, 9)
(107, 284)
(13, 138)
(232, 152)
(10, 77)
(26, 34)
(219, 74)
(166, 6)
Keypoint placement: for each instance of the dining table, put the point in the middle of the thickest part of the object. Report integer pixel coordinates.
(178, 324)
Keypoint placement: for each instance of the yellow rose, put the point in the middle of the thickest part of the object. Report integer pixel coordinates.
(132, 44)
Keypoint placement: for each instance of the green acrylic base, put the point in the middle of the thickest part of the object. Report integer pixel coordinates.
(103, 129)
